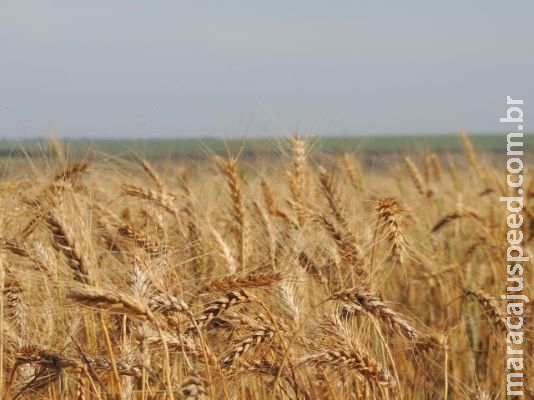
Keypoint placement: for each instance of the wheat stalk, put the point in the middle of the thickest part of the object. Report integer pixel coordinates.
(230, 169)
(389, 210)
(490, 307)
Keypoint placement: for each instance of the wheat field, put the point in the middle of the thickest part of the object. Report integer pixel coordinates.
(308, 275)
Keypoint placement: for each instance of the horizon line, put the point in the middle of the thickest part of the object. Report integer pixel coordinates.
(240, 137)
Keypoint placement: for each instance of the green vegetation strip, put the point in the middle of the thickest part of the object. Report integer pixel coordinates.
(194, 147)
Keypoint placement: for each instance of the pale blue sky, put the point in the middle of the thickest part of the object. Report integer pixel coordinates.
(161, 68)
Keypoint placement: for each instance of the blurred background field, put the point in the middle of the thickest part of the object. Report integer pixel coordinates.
(193, 148)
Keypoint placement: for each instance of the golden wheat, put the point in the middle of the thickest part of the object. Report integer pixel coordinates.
(314, 278)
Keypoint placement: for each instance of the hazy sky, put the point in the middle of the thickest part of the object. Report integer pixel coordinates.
(119, 68)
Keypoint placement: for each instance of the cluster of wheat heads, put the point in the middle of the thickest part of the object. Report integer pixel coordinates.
(306, 277)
